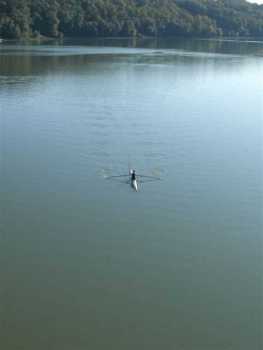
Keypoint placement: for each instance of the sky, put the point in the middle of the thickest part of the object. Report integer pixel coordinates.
(256, 1)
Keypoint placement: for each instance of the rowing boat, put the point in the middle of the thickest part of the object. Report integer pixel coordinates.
(134, 185)
(134, 182)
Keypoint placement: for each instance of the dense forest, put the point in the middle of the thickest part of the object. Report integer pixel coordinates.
(93, 18)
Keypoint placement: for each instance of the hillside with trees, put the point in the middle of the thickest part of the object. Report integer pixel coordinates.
(111, 18)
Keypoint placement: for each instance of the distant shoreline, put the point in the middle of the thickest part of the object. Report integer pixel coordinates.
(45, 39)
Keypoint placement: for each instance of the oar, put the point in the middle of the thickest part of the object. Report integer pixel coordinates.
(114, 176)
(150, 177)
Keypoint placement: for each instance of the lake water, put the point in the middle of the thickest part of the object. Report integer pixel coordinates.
(86, 262)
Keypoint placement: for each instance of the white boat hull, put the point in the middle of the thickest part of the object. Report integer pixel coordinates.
(134, 185)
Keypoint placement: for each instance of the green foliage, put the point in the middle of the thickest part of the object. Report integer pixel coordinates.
(15, 19)
(52, 18)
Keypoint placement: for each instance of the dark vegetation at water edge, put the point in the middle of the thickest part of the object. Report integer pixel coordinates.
(94, 18)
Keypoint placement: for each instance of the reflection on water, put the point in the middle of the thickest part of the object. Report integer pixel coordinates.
(88, 263)
(222, 45)
(26, 59)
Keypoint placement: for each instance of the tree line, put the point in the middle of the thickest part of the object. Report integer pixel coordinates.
(98, 18)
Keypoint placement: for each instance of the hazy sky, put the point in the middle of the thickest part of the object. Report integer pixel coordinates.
(257, 1)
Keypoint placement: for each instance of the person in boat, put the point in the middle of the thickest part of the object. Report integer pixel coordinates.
(133, 175)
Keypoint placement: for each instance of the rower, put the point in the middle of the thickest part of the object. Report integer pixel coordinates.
(133, 175)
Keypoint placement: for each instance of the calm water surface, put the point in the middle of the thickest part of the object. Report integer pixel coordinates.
(86, 263)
